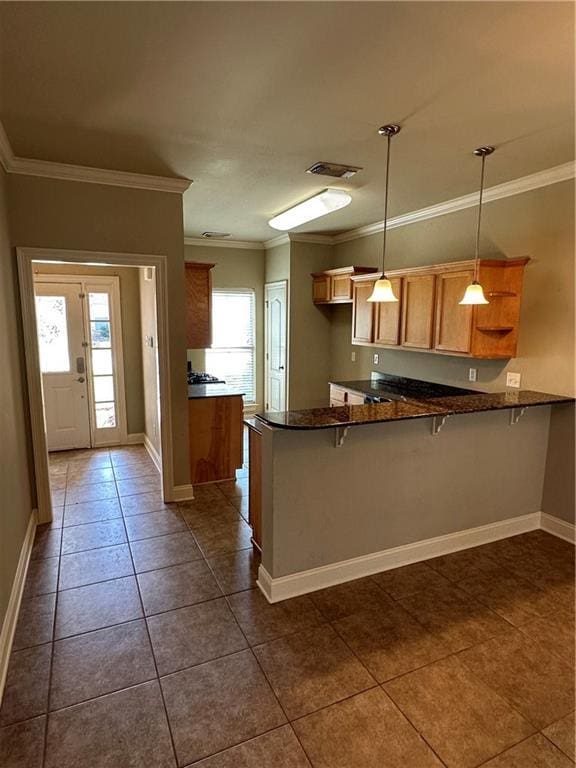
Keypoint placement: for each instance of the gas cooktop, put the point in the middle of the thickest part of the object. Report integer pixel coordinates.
(194, 377)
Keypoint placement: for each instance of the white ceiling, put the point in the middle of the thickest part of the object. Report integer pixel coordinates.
(242, 97)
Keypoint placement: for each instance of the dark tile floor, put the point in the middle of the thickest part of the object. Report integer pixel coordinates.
(143, 641)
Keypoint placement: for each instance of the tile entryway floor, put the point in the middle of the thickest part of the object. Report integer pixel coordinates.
(143, 641)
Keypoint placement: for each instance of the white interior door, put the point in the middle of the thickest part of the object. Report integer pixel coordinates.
(275, 332)
(63, 365)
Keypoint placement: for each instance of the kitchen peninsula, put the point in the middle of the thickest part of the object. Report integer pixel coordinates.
(397, 482)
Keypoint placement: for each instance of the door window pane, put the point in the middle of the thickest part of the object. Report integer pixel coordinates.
(103, 389)
(52, 334)
(105, 416)
(100, 333)
(101, 362)
(99, 306)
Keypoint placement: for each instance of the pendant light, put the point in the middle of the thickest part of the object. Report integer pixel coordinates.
(474, 293)
(383, 287)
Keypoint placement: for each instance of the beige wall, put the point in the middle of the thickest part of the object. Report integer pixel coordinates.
(131, 337)
(277, 263)
(16, 483)
(235, 268)
(62, 214)
(149, 359)
(539, 224)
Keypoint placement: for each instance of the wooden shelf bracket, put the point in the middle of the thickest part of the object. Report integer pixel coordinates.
(515, 415)
(438, 422)
(341, 433)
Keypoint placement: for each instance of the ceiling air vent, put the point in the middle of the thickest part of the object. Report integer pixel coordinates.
(333, 169)
(216, 235)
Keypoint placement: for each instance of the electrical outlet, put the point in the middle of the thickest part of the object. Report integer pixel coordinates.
(513, 380)
(472, 374)
(376, 358)
(353, 357)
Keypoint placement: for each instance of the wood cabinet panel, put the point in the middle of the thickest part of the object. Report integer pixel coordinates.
(255, 486)
(418, 311)
(387, 317)
(453, 321)
(321, 289)
(198, 305)
(363, 314)
(340, 288)
(216, 438)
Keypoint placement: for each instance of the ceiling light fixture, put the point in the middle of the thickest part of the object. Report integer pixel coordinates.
(474, 294)
(383, 287)
(319, 205)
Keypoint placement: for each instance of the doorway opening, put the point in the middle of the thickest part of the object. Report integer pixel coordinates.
(98, 376)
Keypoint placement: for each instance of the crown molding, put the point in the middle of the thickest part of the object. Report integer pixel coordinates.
(507, 189)
(280, 240)
(296, 237)
(215, 243)
(25, 166)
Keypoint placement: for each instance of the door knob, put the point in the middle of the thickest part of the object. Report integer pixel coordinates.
(280, 367)
(80, 379)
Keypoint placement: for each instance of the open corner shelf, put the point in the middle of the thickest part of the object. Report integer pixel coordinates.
(497, 294)
(495, 328)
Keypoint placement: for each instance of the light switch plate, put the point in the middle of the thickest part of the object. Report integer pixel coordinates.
(376, 358)
(353, 357)
(472, 374)
(513, 380)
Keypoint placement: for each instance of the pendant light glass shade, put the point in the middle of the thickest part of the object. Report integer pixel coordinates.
(474, 293)
(383, 287)
(382, 291)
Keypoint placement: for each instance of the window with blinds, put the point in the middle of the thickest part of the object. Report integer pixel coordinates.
(232, 356)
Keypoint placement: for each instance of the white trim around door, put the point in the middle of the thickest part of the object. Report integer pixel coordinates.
(26, 257)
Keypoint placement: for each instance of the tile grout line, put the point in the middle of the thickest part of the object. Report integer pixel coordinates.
(172, 742)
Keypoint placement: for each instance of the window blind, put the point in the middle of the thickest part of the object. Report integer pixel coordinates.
(232, 356)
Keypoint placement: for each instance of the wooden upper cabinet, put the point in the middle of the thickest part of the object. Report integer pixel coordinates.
(321, 289)
(198, 305)
(387, 317)
(453, 327)
(334, 286)
(362, 313)
(418, 311)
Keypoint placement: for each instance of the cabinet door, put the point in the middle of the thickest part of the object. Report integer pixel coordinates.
(418, 311)
(198, 306)
(453, 321)
(362, 314)
(341, 288)
(321, 289)
(387, 317)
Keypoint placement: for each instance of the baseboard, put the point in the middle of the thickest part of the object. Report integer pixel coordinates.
(558, 527)
(135, 438)
(154, 455)
(301, 583)
(13, 609)
(183, 493)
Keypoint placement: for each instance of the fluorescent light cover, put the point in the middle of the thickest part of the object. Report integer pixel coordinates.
(327, 201)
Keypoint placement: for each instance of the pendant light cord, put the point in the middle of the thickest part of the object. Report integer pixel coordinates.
(389, 137)
(477, 256)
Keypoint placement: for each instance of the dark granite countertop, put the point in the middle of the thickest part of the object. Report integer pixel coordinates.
(355, 415)
(212, 390)
(400, 386)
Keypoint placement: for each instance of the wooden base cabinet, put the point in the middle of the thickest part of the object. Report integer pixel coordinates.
(216, 438)
(429, 316)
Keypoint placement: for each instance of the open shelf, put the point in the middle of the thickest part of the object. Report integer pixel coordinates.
(495, 328)
(495, 294)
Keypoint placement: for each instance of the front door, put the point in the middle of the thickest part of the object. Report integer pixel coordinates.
(276, 346)
(63, 365)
